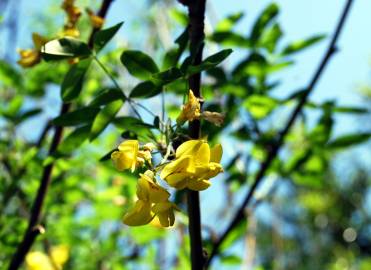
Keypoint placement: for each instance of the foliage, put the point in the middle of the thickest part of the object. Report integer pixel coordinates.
(120, 93)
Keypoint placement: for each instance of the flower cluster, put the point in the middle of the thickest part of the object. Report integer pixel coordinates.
(193, 166)
(31, 57)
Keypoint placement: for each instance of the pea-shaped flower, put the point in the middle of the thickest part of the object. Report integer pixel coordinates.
(195, 163)
(126, 156)
(152, 200)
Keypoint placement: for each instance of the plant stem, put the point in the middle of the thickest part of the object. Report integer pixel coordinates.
(196, 15)
(34, 229)
(274, 149)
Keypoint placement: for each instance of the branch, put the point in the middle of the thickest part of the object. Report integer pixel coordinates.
(196, 15)
(274, 149)
(32, 230)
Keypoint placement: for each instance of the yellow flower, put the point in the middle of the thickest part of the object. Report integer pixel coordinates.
(191, 110)
(129, 156)
(31, 57)
(37, 260)
(165, 213)
(95, 20)
(213, 117)
(59, 255)
(73, 15)
(194, 165)
(126, 157)
(148, 193)
(139, 215)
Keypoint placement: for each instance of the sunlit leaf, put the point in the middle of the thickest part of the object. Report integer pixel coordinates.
(302, 44)
(260, 106)
(64, 48)
(268, 14)
(229, 22)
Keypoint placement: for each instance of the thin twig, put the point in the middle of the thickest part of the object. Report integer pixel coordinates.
(273, 151)
(33, 227)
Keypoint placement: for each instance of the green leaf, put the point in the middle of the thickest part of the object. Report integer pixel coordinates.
(209, 62)
(104, 117)
(228, 38)
(73, 81)
(65, 48)
(75, 139)
(302, 44)
(357, 110)
(271, 37)
(230, 21)
(167, 76)
(9, 76)
(133, 125)
(102, 37)
(80, 116)
(139, 64)
(260, 106)
(349, 140)
(145, 89)
(230, 259)
(268, 14)
(29, 113)
(107, 96)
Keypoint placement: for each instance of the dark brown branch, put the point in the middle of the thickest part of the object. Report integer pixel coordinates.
(32, 232)
(196, 15)
(274, 149)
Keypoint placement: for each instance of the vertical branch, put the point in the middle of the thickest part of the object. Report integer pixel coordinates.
(274, 149)
(34, 229)
(196, 15)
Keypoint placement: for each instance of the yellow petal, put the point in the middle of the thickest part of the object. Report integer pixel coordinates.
(214, 170)
(37, 260)
(130, 149)
(122, 160)
(191, 110)
(181, 165)
(178, 180)
(59, 254)
(29, 58)
(216, 153)
(202, 156)
(199, 185)
(165, 213)
(148, 190)
(139, 215)
(189, 148)
(38, 40)
(95, 20)
(71, 32)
